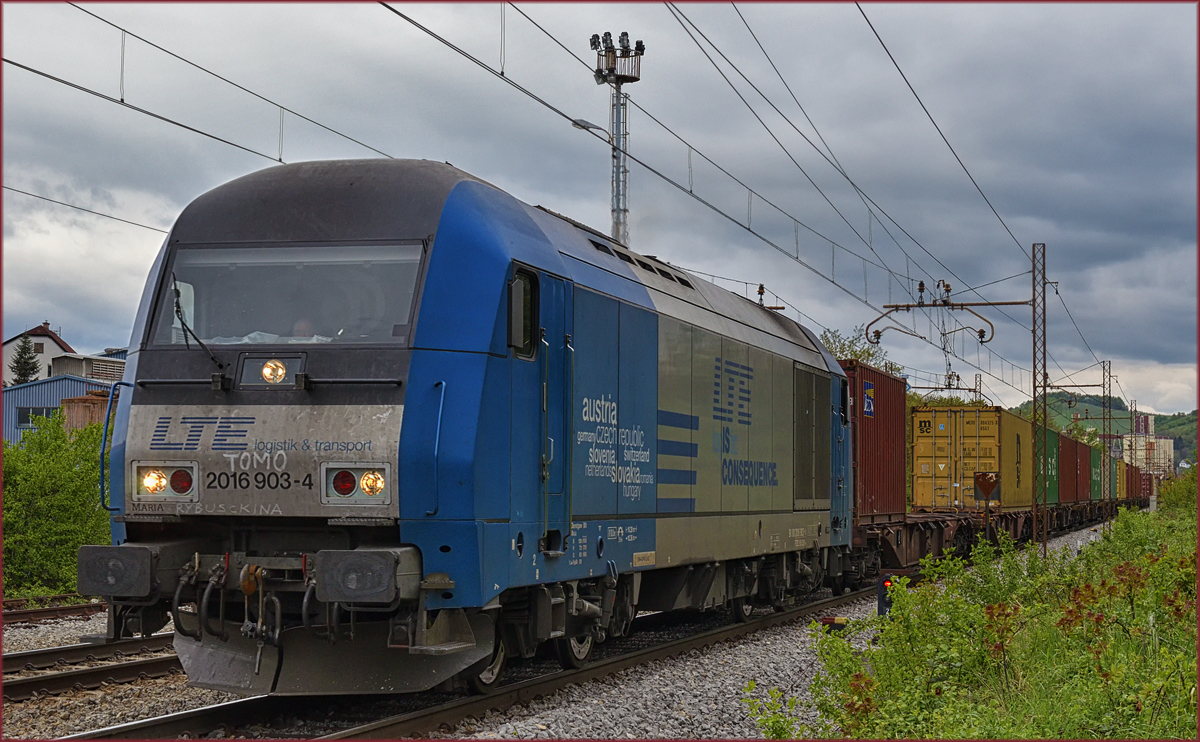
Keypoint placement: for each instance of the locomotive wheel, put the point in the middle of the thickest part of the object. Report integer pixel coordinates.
(838, 585)
(743, 609)
(574, 651)
(489, 678)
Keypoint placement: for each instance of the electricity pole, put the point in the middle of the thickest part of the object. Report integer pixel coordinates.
(1040, 380)
(616, 66)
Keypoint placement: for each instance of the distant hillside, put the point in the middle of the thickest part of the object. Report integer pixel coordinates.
(1087, 405)
(1181, 426)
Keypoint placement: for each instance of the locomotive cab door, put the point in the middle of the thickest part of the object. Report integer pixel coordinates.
(541, 392)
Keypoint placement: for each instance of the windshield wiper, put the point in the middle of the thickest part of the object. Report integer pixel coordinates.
(188, 331)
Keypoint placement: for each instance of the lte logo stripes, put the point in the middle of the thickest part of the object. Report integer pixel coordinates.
(229, 433)
(731, 392)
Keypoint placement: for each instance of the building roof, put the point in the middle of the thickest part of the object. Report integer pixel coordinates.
(43, 330)
(56, 380)
(86, 356)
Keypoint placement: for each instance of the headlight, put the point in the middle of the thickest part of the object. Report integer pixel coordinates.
(165, 481)
(356, 483)
(154, 481)
(273, 372)
(371, 483)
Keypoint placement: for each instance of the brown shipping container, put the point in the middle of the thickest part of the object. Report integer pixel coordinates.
(1067, 469)
(1147, 485)
(1083, 471)
(951, 443)
(877, 415)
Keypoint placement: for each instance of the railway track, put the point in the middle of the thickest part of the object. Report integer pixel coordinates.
(19, 603)
(125, 667)
(32, 615)
(258, 710)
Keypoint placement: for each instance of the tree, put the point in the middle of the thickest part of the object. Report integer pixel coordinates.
(1076, 430)
(51, 506)
(25, 365)
(856, 346)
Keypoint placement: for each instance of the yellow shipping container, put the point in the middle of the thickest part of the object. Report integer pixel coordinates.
(950, 444)
(1122, 481)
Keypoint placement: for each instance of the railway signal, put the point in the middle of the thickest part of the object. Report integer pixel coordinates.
(885, 600)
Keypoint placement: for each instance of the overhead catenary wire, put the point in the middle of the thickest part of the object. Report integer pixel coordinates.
(677, 14)
(80, 208)
(244, 89)
(529, 93)
(1081, 337)
(680, 18)
(841, 170)
(652, 170)
(692, 148)
(939, 130)
(131, 107)
(866, 198)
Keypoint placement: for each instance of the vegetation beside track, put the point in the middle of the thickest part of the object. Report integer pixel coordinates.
(51, 506)
(1020, 646)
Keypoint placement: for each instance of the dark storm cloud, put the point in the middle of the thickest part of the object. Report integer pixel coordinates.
(1078, 122)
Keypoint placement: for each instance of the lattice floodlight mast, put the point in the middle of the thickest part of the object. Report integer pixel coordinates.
(1040, 380)
(617, 66)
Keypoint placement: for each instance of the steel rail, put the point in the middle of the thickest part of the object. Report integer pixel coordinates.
(18, 603)
(41, 659)
(20, 689)
(197, 723)
(33, 615)
(258, 709)
(431, 719)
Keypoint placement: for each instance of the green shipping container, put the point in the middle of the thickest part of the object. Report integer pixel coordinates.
(1112, 479)
(1052, 479)
(1095, 473)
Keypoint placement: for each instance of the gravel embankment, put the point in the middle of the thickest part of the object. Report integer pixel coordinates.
(694, 696)
(56, 716)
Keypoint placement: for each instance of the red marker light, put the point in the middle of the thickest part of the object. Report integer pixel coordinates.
(344, 483)
(887, 583)
(181, 481)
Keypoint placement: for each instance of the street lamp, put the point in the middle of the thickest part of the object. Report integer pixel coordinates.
(586, 125)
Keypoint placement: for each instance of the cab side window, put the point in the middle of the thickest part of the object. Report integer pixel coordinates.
(522, 314)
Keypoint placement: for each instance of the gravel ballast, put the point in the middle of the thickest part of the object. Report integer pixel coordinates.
(697, 695)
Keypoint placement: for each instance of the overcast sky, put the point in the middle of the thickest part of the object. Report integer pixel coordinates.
(1078, 122)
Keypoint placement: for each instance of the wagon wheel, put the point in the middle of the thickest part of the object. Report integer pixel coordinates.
(488, 679)
(962, 542)
(574, 651)
(743, 609)
(1027, 530)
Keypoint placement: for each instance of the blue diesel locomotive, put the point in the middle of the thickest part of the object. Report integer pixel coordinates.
(386, 426)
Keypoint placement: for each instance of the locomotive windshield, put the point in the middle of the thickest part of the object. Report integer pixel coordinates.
(290, 295)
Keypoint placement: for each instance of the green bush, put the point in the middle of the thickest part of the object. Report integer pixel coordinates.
(1179, 494)
(1022, 646)
(51, 506)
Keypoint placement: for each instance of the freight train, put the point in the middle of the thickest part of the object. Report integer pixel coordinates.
(385, 427)
(914, 477)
